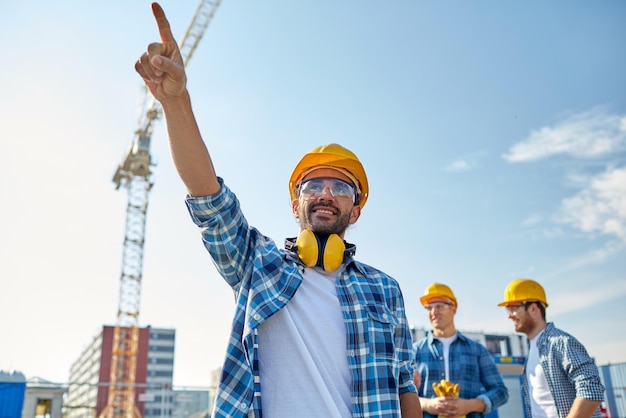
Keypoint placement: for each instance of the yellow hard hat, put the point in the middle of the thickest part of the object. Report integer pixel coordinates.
(437, 290)
(523, 290)
(331, 156)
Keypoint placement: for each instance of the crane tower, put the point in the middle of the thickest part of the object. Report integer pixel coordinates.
(135, 174)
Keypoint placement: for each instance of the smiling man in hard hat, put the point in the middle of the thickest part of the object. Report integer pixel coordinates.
(560, 379)
(316, 333)
(446, 354)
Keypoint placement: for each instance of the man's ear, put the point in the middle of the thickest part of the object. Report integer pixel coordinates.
(355, 214)
(535, 309)
(295, 205)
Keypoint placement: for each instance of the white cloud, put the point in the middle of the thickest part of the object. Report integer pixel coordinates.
(600, 207)
(534, 229)
(595, 256)
(459, 165)
(465, 163)
(532, 220)
(587, 134)
(570, 299)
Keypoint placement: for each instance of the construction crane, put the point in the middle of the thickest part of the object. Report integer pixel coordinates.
(135, 174)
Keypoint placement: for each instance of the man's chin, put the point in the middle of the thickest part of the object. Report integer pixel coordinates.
(324, 231)
(327, 225)
(322, 227)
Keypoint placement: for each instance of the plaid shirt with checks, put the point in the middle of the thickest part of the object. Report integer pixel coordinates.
(264, 278)
(471, 366)
(569, 370)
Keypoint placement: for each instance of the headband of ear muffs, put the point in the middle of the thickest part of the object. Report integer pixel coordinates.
(327, 251)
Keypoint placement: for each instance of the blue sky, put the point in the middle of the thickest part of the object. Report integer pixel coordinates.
(493, 135)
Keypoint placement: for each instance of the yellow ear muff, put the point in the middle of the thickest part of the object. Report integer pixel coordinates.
(307, 247)
(333, 252)
(326, 252)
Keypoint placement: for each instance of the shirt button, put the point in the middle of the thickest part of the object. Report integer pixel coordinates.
(385, 315)
(257, 317)
(243, 406)
(281, 298)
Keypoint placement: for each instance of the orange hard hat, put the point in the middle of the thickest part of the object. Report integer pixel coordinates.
(331, 156)
(437, 290)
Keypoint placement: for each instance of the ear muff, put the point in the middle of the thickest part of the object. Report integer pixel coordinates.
(326, 251)
(333, 252)
(307, 247)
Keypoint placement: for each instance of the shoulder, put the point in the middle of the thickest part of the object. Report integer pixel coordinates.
(562, 344)
(462, 338)
(372, 274)
(554, 334)
(373, 287)
(473, 345)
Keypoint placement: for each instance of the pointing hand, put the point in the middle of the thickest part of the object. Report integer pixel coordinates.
(161, 66)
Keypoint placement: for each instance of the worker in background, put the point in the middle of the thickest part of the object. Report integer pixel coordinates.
(560, 379)
(315, 333)
(446, 354)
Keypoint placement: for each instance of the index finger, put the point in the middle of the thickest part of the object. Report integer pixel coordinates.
(162, 23)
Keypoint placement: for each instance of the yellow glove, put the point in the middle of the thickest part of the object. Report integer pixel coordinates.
(447, 389)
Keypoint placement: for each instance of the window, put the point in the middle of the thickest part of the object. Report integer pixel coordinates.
(498, 345)
(161, 348)
(43, 408)
(160, 373)
(166, 336)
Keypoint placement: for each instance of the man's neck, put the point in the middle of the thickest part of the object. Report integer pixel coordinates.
(444, 333)
(539, 326)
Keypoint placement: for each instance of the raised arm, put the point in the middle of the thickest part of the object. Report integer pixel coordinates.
(163, 71)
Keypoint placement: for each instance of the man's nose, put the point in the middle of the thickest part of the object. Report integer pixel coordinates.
(326, 193)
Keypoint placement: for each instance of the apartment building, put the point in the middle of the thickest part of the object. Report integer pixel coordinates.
(88, 386)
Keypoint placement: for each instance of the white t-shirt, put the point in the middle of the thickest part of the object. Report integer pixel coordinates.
(446, 342)
(541, 400)
(303, 362)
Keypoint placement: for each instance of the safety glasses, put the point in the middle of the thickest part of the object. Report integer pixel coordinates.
(517, 307)
(338, 188)
(437, 306)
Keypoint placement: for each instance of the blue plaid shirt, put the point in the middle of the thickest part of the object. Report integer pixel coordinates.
(264, 278)
(471, 366)
(569, 370)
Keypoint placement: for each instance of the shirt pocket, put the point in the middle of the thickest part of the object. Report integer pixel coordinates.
(381, 330)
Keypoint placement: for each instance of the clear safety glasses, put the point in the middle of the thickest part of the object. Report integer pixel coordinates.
(437, 306)
(316, 187)
(515, 308)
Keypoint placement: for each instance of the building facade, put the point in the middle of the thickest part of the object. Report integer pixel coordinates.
(191, 403)
(12, 389)
(159, 400)
(614, 379)
(88, 386)
(43, 399)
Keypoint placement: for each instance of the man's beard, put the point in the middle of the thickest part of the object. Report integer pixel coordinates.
(525, 325)
(324, 227)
